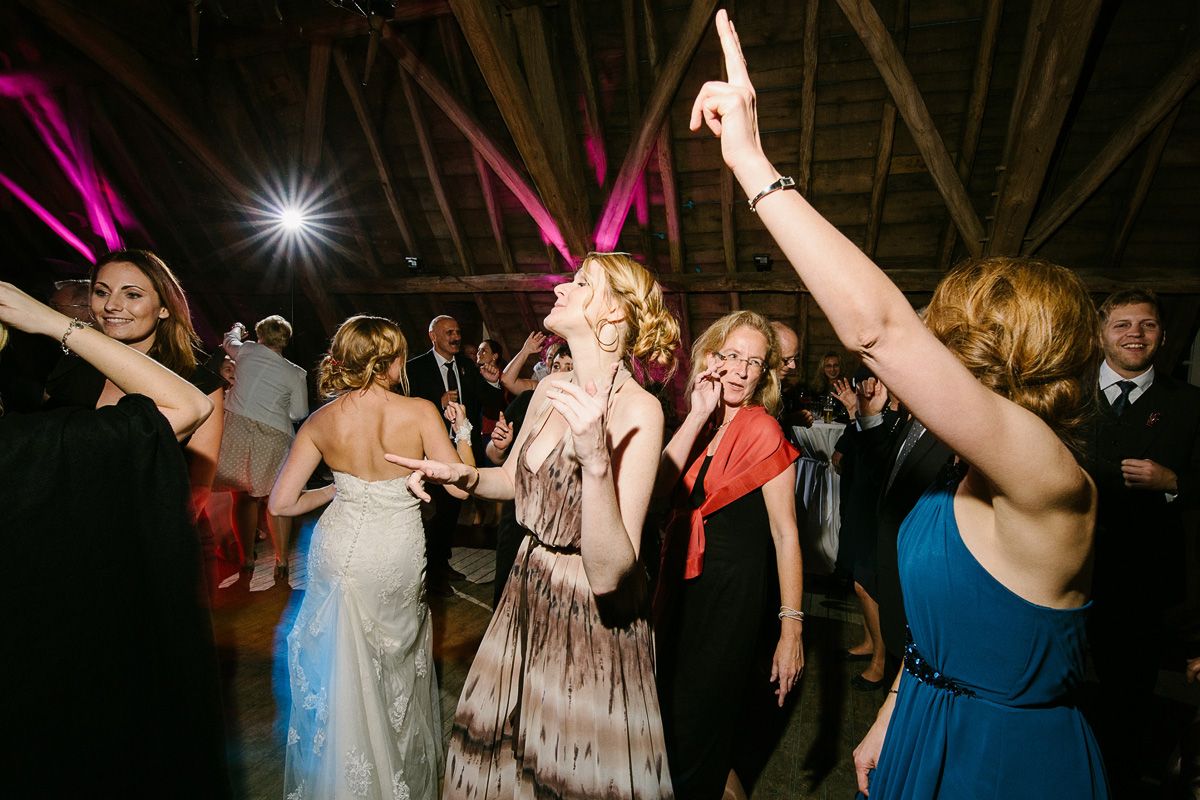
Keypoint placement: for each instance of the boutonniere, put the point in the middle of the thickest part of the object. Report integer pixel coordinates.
(1153, 419)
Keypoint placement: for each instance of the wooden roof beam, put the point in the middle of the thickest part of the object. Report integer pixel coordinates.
(633, 104)
(885, 143)
(386, 182)
(136, 74)
(665, 148)
(1154, 151)
(911, 105)
(1056, 46)
(808, 98)
(593, 124)
(448, 30)
(314, 105)
(1176, 279)
(472, 129)
(617, 206)
(1167, 95)
(539, 146)
(973, 116)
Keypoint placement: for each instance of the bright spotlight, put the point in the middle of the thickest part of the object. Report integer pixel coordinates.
(291, 219)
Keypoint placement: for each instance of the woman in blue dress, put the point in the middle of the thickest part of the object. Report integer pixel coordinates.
(995, 561)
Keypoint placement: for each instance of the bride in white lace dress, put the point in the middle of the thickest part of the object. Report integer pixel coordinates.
(364, 720)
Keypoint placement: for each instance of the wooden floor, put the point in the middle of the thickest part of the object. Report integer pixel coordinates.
(810, 760)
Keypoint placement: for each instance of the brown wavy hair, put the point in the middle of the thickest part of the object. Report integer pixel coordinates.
(1027, 329)
(651, 336)
(360, 353)
(273, 331)
(175, 339)
(768, 392)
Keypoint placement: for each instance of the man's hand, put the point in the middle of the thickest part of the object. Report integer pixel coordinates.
(1142, 473)
(449, 397)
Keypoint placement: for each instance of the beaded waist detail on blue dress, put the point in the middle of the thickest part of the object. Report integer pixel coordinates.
(919, 667)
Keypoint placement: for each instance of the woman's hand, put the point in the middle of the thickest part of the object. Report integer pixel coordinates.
(844, 392)
(490, 372)
(706, 393)
(533, 343)
(456, 415)
(502, 436)
(585, 410)
(788, 664)
(728, 107)
(866, 755)
(460, 476)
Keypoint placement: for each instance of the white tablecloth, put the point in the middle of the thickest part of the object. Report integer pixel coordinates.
(817, 496)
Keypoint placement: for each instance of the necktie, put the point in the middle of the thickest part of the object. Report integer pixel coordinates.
(915, 431)
(452, 379)
(1121, 403)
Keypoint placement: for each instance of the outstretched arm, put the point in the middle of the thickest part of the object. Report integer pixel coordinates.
(288, 497)
(872, 317)
(184, 406)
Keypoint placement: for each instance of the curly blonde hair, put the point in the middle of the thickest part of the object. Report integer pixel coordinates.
(651, 335)
(359, 354)
(768, 392)
(1027, 329)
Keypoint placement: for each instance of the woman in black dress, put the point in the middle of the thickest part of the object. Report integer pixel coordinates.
(734, 479)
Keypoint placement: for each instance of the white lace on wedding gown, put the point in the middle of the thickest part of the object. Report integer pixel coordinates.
(365, 720)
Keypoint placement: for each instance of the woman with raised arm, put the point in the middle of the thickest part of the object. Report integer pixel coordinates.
(365, 718)
(560, 701)
(995, 560)
(721, 616)
(119, 633)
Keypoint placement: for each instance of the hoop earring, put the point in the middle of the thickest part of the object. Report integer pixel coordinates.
(608, 347)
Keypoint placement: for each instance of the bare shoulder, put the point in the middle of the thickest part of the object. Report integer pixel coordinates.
(634, 407)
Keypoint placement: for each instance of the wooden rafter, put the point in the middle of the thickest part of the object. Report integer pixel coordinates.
(386, 182)
(314, 105)
(593, 123)
(808, 98)
(468, 125)
(447, 30)
(133, 72)
(885, 142)
(1056, 46)
(497, 60)
(666, 151)
(1154, 151)
(694, 25)
(1157, 105)
(911, 105)
(973, 116)
(633, 104)
(1174, 280)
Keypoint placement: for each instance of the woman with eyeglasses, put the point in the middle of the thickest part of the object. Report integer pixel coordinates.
(718, 605)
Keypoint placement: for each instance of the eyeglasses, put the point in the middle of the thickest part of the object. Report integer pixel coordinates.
(754, 364)
(789, 361)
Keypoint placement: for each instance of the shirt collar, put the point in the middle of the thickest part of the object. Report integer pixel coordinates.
(1109, 377)
(442, 362)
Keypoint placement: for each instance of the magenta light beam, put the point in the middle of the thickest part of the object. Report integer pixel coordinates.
(48, 218)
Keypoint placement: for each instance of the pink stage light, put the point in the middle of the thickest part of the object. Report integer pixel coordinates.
(45, 216)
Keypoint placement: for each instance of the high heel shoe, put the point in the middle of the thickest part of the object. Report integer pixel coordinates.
(281, 574)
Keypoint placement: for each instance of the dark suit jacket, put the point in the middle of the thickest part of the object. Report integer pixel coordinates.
(1139, 535)
(425, 380)
(916, 474)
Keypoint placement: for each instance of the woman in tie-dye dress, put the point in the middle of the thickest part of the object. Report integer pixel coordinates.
(560, 701)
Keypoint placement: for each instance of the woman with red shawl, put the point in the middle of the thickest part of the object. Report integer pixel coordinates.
(734, 476)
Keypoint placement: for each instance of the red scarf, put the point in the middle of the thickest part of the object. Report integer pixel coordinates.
(752, 452)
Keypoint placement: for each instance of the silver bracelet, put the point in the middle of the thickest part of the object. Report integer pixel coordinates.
(783, 183)
(786, 612)
(75, 325)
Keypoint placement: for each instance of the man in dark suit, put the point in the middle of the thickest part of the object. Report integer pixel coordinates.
(911, 458)
(1144, 455)
(442, 376)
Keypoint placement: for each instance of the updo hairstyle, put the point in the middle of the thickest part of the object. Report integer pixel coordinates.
(360, 353)
(1027, 329)
(651, 331)
(767, 393)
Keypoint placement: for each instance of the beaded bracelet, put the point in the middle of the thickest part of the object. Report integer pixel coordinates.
(463, 434)
(790, 613)
(75, 325)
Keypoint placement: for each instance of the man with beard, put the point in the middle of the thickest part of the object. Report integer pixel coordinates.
(1145, 458)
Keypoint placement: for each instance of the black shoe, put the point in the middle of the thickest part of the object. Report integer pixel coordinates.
(453, 574)
(863, 685)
